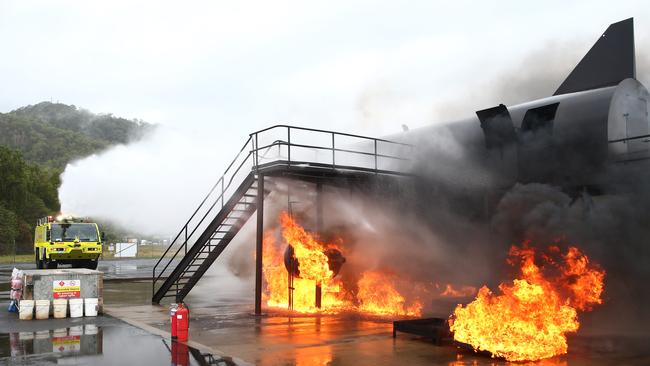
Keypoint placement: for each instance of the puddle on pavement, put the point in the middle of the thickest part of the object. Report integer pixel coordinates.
(121, 293)
(91, 344)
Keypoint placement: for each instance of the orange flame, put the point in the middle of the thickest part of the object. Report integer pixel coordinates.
(377, 295)
(463, 291)
(376, 292)
(529, 319)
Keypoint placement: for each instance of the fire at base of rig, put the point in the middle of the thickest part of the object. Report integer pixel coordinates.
(304, 278)
(529, 319)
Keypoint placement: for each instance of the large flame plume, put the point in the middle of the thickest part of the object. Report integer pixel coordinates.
(375, 292)
(529, 319)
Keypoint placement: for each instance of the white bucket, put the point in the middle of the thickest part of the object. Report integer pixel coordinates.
(26, 336)
(26, 309)
(91, 306)
(77, 330)
(42, 334)
(42, 309)
(60, 308)
(76, 308)
(90, 329)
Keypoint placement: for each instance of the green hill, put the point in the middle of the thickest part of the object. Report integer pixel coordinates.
(52, 134)
(36, 143)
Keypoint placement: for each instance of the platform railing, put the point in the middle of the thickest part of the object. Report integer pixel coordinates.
(295, 146)
(341, 150)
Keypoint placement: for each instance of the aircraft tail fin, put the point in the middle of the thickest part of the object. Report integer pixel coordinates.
(609, 61)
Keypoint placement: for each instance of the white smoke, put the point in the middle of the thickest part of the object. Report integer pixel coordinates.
(150, 186)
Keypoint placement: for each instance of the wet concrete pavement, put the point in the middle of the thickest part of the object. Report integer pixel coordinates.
(223, 326)
(278, 339)
(115, 269)
(103, 340)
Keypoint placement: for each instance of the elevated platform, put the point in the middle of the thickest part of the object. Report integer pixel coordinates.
(278, 151)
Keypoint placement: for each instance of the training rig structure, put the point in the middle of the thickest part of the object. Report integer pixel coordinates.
(277, 151)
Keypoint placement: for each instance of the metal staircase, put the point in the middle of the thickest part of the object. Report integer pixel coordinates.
(236, 195)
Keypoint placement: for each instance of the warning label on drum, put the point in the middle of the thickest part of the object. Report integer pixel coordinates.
(66, 344)
(63, 289)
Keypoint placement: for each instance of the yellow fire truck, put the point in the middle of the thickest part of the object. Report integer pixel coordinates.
(67, 240)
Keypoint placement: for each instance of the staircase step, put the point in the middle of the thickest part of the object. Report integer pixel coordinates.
(234, 219)
(242, 203)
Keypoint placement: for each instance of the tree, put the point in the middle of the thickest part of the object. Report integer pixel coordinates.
(27, 192)
(8, 230)
(13, 188)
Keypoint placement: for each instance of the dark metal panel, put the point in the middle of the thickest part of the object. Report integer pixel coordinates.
(537, 159)
(436, 329)
(608, 62)
(497, 126)
(539, 119)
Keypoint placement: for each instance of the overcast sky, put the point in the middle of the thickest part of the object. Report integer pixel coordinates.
(364, 66)
(211, 72)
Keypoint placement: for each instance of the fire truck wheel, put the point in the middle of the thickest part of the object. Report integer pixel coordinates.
(39, 262)
(51, 264)
(91, 264)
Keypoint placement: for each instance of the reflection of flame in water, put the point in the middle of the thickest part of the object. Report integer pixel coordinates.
(461, 360)
(376, 290)
(530, 317)
(313, 356)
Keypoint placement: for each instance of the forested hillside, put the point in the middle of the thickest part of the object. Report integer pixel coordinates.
(27, 192)
(36, 143)
(52, 134)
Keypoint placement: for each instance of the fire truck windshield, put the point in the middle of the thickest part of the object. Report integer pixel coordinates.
(70, 232)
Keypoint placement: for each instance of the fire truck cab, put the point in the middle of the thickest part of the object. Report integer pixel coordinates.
(67, 240)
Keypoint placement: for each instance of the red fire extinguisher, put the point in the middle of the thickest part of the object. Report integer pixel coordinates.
(172, 319)
(182, 322)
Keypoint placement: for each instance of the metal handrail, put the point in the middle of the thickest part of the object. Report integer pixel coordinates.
(255, 137)
(283, 143)
(254, 153)
(328, 132)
